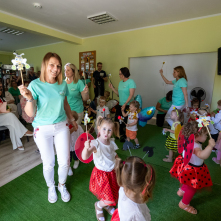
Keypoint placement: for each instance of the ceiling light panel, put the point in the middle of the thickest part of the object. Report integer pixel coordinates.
(11, 31)
(102, 18)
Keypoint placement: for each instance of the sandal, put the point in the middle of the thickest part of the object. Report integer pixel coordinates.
(99, 213)
(110, 209)
(187, 208)
(180, 193)
(167, 160)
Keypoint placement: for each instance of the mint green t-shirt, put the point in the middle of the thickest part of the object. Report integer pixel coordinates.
(124, 90)
(164, 105)
(178, 96)
(50, 102)
(74, 97)
(87, 81)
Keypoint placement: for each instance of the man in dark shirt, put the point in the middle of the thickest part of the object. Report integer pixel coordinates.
(99, 76)
(31, 73)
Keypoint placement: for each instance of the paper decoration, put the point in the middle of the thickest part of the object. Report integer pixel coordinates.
(18, 63)
(204, 121)
(163, 132)
(177, 131)
(121, 119)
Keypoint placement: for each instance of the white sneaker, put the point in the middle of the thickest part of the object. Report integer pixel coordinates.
(70, 173)
(21, 148)
(65, 195)
(76, 164)
(52, 195)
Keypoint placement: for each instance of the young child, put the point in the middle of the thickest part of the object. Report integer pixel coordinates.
(136, 180)
(103, 182)
(107, 95)
(194, 107)
(131, 126)
(217, 159)
(216, 118)
(73, 138)
(194, 175)
(87, 109)
(171, 142)
(102, 110)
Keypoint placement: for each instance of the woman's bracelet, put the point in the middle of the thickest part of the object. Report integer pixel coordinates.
(72, 120)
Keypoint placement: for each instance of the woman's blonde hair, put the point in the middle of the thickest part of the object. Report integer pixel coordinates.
(44, 65)
(116, 126)
(181, 72)
(74, 69)
(134, 174)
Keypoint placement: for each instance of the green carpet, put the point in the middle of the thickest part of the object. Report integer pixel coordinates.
(25, 198)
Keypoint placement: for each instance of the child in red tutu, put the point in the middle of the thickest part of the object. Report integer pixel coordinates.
(103, 182)
(136, 180)
(195, 174)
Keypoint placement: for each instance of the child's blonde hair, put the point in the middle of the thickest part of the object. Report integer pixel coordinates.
(135, 104)
(107, 92)
(180, 115)
(74, 115)
(192, 128)
(134, 174)
(116, 127)
(102, 98)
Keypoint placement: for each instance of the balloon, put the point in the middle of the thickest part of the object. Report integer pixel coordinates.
(145, 115)
(139, 99)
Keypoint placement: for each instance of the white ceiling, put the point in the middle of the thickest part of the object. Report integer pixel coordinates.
(71, 15)
(9, 42)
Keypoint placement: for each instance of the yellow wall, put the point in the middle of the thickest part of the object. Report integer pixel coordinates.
(5, 58)
(196, 36)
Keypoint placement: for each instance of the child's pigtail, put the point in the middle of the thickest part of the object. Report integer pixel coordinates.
(116, 129)
(99, 120)
(119, 164)
(148, 184)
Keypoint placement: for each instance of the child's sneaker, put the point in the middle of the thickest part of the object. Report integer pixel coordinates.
(214, 149)
(137, 146)
(65, 195)
(52, 195)
(70, 172)
(76, 164)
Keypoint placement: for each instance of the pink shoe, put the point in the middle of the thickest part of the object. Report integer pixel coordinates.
(215, 160)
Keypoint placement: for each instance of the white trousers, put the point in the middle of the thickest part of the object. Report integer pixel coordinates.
(167, 117)
(80, 117)
(47, 135)
(16, 128)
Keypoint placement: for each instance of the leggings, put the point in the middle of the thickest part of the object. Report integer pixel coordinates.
(189, 192)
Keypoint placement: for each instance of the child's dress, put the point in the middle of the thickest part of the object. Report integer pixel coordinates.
(171, 142)
(129, 210)
(103, 182)
(195, 174)
(131, 131)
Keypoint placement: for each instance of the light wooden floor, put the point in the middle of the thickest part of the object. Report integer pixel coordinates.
(14, 163)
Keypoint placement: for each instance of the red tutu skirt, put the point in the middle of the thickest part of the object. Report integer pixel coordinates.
(194, 176)
(115, 216)
(104, 186)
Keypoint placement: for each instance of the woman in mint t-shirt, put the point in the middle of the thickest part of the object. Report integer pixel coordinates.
(125, 91)
(50, 124)
(180, 97)
(77, 90)
(163, 105)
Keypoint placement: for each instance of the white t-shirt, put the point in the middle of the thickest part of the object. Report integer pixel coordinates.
(74, 137)
(131, 118)
(102, 113)
(104, 158)
(217, 121)
(194, 159)
(8, 96)
(131, 211)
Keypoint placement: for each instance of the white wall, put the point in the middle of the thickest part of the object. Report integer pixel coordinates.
(200, 69)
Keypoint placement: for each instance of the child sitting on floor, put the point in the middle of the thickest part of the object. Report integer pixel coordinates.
(73, 138)
(171, 142)
(103, 181)
(131, 126)
(136, 180)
